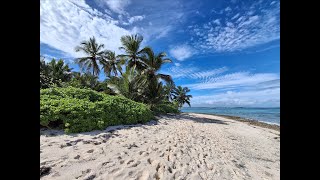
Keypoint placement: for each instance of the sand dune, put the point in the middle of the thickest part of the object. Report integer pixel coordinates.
(187, 146)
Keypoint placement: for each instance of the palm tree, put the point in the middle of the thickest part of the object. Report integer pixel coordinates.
(45, 80)
(180, 95)
(86, 80)
(131, 85)
(169, 88)
(59, 71)
(154, 93)
(131, 46)
(112, 63)
(94, 53)
(154, 63)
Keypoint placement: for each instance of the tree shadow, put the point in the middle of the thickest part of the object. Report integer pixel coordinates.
(197, 119)
(111, 131)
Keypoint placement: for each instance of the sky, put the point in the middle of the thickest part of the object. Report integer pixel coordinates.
(226, 51)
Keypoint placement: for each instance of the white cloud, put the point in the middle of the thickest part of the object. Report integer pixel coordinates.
(136, 18)
(182, 52)
(240, 31)
(234, 80)
(48, 58)
(217, 21)
(205, 74)
(227, 9)
(177, 64)
(257, 98)
(64, 24)
(194, 72)
(116, 6)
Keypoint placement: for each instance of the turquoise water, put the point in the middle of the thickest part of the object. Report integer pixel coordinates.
(268, 115)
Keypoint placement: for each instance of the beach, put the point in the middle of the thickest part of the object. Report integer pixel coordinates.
(184, 146)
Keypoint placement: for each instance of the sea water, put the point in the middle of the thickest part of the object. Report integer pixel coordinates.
(268, 115)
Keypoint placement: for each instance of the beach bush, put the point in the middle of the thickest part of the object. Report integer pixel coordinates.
(80, 110)
(166, 107)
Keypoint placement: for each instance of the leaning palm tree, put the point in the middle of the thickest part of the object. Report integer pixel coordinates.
(169, 88)
(131, 46)
(154, 63)
(94, 53)
(180, 96)
(112, 64)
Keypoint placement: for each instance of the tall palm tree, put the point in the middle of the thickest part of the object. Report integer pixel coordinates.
(180, 95)
(169, 88)
(94, 53)
(131, 46)
(154, 63)
(112, 63)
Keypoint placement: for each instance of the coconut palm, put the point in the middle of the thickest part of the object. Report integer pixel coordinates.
(131, 85)
(59, 71)
(112, 64)
(180, 95)
(168, 88)
(45, 80)
(86, 80)
(94, 53)
(131, 46)
(154, 63)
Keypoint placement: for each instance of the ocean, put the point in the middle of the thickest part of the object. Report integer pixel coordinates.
(267, 115)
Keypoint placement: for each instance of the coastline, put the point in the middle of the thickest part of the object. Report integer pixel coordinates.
(183, 146)
(245, 120)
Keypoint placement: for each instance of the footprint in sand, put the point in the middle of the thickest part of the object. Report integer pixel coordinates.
(129, 162)
(136, 164)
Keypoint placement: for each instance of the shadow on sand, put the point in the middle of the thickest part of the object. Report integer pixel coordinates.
(194, 118)
(111, 131)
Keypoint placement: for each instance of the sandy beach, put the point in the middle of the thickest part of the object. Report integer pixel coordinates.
(185, 146)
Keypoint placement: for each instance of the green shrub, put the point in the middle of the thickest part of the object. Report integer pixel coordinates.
(80, 110)
(72, 92)
(166, 107)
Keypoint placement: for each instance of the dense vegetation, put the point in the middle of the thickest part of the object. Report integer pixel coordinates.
(132, 92)
(78, 110)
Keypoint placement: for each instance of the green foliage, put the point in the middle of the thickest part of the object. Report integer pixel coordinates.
(54, 73)
(166, 107)
(94, 55)
(80, 110)
(131, 85)
(180, 95)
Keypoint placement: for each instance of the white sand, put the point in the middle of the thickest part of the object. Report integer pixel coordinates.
(188, 146)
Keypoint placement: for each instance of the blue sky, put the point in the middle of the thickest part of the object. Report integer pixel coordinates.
(226, 52)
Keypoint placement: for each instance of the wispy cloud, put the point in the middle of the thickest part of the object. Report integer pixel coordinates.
(132, 20)
(64, 24)
(136, 18)
(248, 27)
(194, 72)
(234, 80)
(181, 52)
(256, 98)
(117, 6)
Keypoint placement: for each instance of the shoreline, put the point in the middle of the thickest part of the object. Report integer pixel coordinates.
(176, 146)
(244, 120)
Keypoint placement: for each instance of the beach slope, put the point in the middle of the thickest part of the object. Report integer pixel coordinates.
(185, 146)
